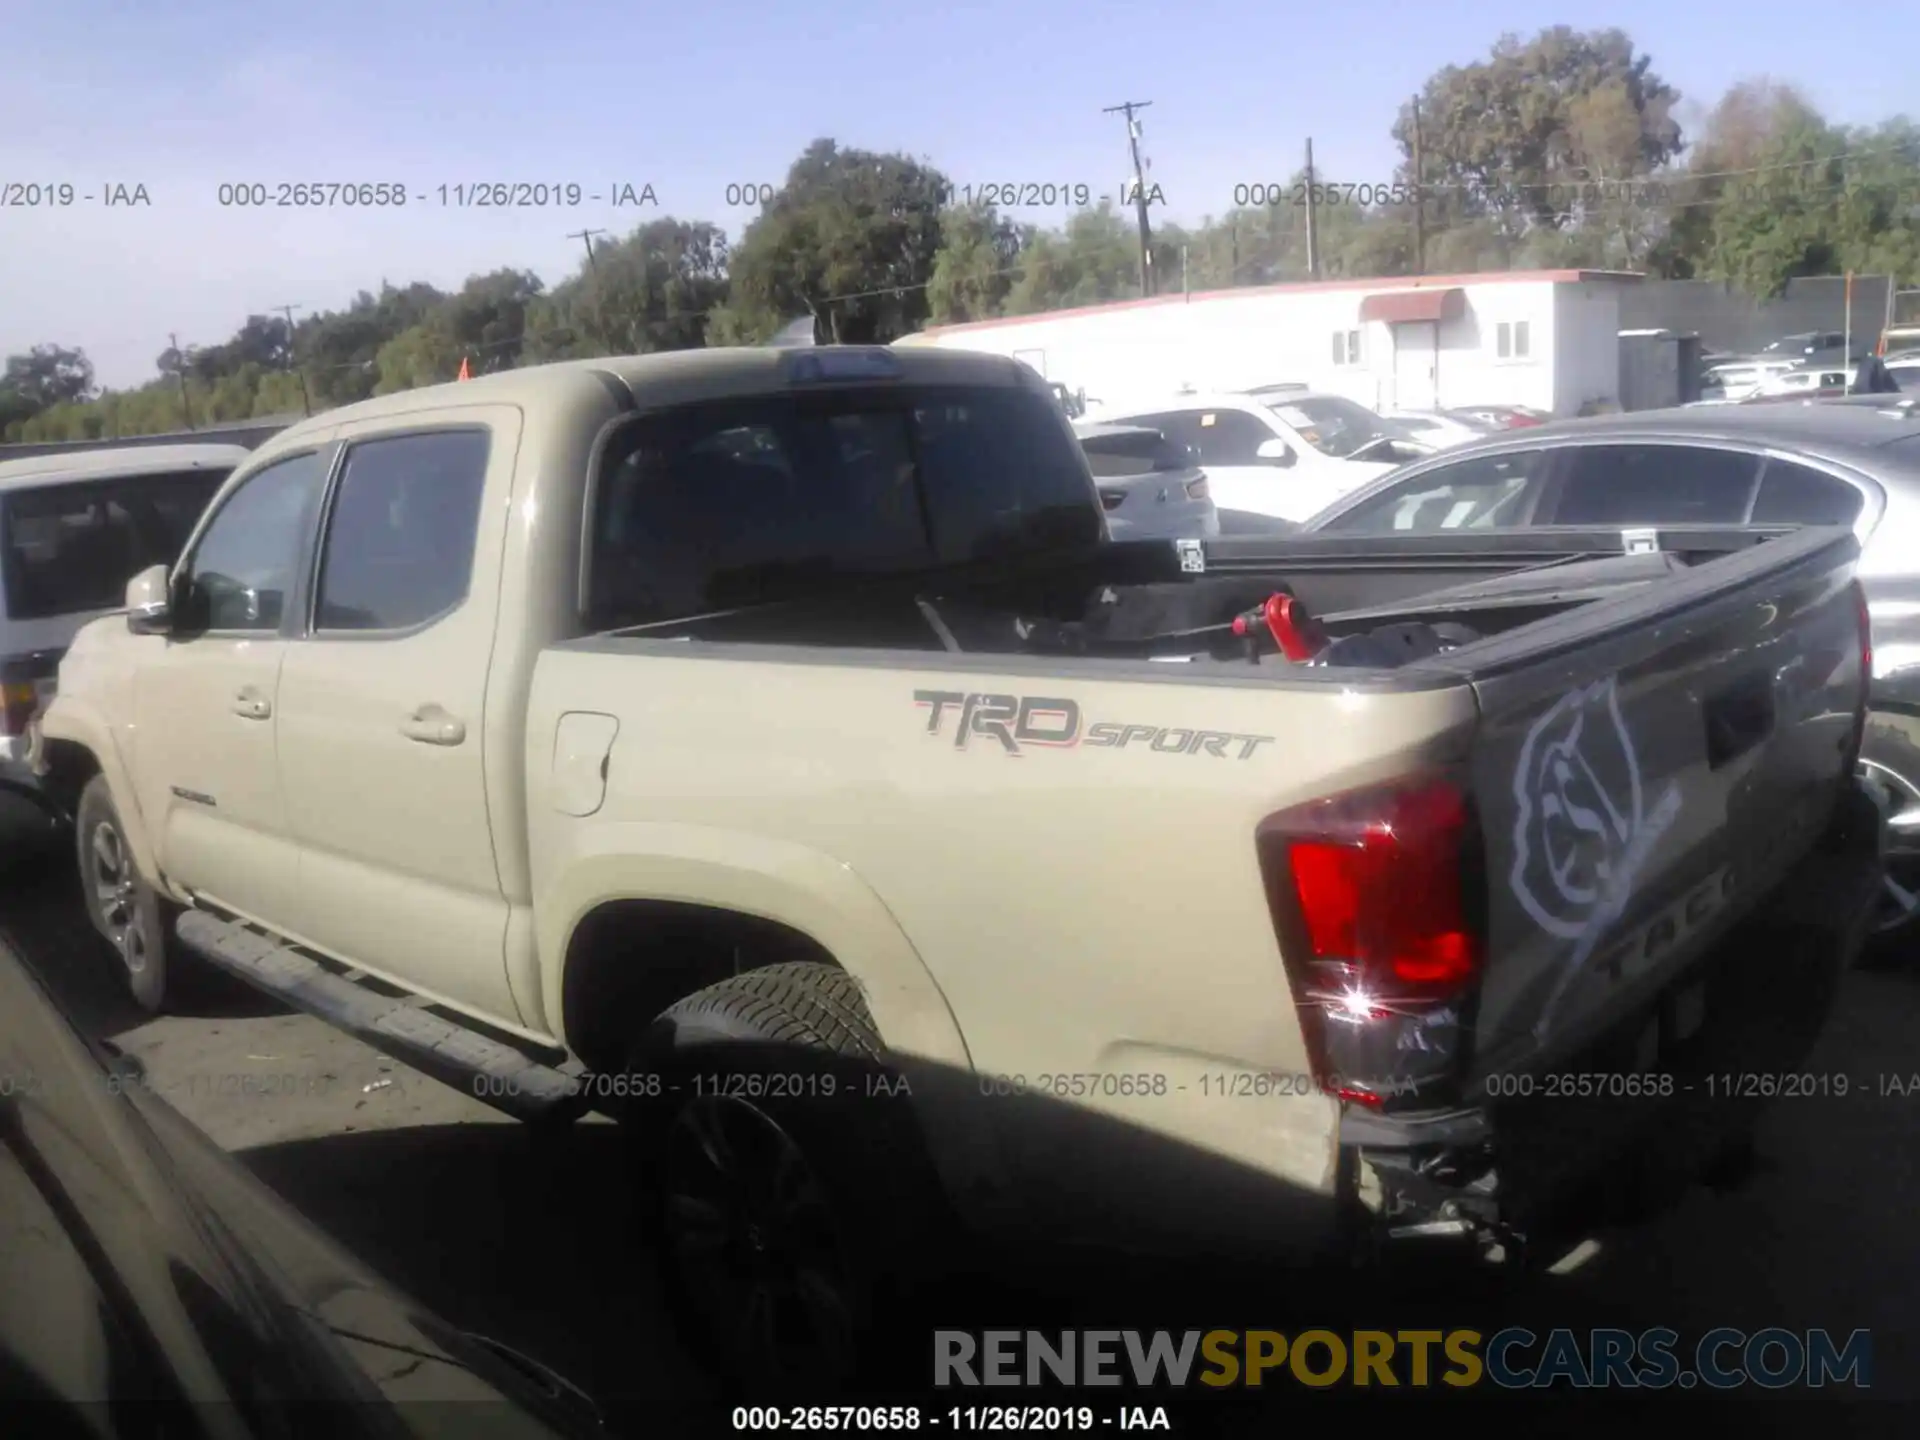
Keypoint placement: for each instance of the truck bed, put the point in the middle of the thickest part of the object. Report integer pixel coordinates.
(1642, 755)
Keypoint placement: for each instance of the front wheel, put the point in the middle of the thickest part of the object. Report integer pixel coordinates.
(124, 909)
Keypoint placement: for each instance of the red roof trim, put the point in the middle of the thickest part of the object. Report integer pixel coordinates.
(1387, 284)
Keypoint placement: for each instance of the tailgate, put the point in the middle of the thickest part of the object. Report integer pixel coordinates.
(1650, 778)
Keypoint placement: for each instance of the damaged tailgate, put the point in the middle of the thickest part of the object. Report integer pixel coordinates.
(1649, 779)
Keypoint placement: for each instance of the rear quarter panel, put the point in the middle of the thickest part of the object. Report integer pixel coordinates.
(1074, 909)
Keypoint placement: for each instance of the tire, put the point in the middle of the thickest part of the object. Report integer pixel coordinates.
(775, 1083)
(123, 908)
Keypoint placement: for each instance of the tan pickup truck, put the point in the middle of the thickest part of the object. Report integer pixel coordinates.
(769, 748)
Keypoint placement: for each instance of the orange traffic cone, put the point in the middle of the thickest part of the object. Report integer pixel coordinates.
(463, 375)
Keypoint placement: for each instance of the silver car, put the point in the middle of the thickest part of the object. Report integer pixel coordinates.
(1850, 462)
(1153, 488)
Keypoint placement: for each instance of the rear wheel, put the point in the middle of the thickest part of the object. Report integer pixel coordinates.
(1896, 919)
(785, 1186)
(124, 909)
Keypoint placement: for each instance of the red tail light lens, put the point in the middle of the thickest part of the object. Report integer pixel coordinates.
(1197, 489)
(1866, 667)
(18, 701)
(1372, 895)
(1865, 612)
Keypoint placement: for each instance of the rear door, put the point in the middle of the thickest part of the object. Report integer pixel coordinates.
(382, 708)
(1649, 484)
(1642, 784)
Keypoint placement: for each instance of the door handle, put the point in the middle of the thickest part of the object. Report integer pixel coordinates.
(250, 704)
(431, 725)
(1738, 718)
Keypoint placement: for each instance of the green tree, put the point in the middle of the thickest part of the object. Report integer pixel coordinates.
(1093, 259)
(974, 269)
(1513, 138)
(46, 376)
(852, 234)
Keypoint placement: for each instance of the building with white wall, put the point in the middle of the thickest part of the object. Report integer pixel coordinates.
(1544, 338)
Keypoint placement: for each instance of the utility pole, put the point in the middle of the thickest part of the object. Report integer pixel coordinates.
(1139, 187)
(180, 374)
(1313, 220)
(306, 400)
(1419, 198)
(585, 237)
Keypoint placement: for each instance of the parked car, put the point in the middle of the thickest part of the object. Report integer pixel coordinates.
(1798, 384)
(1802, 346)
(1440, 429)
(764, 746)
(74, 528)
(1284, 455)
(1852, 461)
(1905, 373)
(1501, 417)
(1152, 488)
(1735, 380)
(154, 1287)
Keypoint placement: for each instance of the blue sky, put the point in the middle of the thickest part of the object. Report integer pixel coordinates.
(186, 95)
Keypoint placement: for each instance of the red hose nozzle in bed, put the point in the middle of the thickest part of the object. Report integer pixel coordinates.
(1293, 630)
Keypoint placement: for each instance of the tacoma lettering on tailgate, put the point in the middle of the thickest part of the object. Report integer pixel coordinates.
(1017, 722)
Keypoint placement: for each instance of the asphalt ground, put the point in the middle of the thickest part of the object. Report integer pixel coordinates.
(533, 1240)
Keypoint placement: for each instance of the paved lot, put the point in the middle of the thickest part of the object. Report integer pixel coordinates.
(533, 1243)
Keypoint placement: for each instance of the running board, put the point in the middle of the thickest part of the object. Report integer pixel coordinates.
(451, 1053)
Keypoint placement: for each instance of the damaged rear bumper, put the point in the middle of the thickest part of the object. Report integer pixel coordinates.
(1532, 1175)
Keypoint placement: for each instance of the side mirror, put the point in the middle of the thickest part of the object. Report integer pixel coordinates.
(1275, 452)
(149, 601)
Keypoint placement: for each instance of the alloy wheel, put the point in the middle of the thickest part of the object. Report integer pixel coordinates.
(755, 1241)
(116, 893)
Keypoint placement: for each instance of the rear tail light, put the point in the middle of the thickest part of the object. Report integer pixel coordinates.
(1375, 896)
(1865, 613)
(18, 701)
(1197, 489)
(25, 683)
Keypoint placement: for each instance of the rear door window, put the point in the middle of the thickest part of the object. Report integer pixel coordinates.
(1796, 495)
(1654, 485)
(1485, 492)
(1230, 437)
(399, 548)
(1145, 452)
(740, 502)
(69, 549)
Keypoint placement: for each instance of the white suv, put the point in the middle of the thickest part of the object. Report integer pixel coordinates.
(74, 528)
(1286, 455)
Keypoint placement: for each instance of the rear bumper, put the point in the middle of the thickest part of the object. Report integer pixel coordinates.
(1530, 1173)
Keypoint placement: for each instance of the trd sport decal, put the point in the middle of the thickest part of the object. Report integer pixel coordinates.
(1017, 722)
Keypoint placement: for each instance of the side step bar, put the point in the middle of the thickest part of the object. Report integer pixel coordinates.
(397, 1026)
